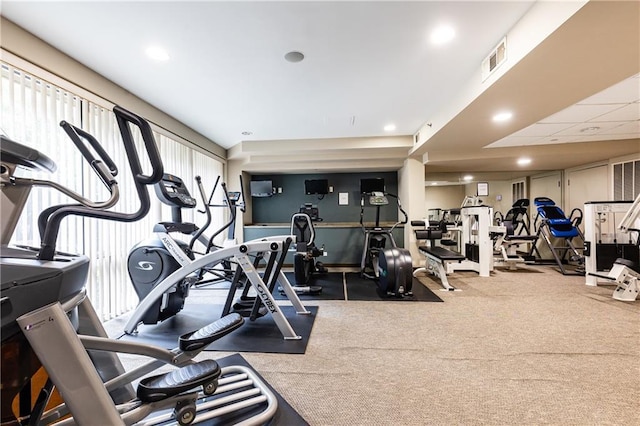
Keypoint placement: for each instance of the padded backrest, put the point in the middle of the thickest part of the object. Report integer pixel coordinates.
(509, 226)
(428, 234)
(516, 215)
(302, 229)
(552, 212)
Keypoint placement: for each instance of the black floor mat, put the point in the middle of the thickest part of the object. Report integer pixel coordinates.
(285, 414)
(261, 335)
(359, 288)
(331, 283)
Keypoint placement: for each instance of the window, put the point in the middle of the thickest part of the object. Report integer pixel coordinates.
(32, 109)
(626, 180)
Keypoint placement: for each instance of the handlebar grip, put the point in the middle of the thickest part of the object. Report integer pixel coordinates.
(79, 137)
(124, 117)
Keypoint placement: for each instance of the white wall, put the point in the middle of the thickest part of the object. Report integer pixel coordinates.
(443, 197)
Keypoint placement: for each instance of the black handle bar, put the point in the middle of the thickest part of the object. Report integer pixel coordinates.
(124, 118)
(81, 139)
(207, 210)
(243, 205)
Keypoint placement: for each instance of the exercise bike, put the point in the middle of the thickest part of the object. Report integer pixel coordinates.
(390, 267)
(48, 320)
(304, 259)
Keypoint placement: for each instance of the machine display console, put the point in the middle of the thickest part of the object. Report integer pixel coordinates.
(172, 191)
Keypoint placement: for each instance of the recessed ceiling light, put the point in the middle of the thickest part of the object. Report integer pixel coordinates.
(157, 53)
(442, 34)
(389, 127)
(524, 161)
(467, 177)
(294, 56)
(502, 116)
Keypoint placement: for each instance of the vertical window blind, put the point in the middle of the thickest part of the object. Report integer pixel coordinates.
(31, 112)
(626, 180)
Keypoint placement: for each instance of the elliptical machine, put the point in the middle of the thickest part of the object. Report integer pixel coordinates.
(154, 259)
(48, 321)
(390, 267)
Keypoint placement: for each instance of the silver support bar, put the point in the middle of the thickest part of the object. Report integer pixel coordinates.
(58, 348)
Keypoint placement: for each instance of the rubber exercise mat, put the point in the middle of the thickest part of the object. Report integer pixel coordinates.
(285, 415)
(359, 288)
(332, 287)
(261, 335)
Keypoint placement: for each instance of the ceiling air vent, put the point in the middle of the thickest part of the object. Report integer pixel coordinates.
(497, 56)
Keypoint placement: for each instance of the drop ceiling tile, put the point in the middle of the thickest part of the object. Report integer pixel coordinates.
(629, 127)
(543, 129)
(580, 113)
(514, 141)
(587, 129)
(551, 140)
(628, 112)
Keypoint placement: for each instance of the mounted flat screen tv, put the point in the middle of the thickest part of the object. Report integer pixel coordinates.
(369, 185)
(316, 186)
(261, 188)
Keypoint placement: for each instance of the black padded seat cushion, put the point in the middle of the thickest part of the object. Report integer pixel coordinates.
(442, 253)
(629, 264)
(521, 237)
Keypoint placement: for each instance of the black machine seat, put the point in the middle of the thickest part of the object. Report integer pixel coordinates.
(198, 339)
(442, 253)
(509, 225)
(634, 266)
(156, 388)
(520, 237)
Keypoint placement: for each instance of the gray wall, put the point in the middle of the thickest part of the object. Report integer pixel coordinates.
(280, 207)
(343, 244)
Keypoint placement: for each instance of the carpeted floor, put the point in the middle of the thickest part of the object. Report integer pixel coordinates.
(515, 348)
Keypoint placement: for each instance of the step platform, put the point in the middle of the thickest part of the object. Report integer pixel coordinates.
(157, 388)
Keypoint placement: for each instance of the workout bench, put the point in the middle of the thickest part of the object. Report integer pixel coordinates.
(436, 258)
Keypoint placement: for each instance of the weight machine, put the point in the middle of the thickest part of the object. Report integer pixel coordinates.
(516, 224)
(606, 258)
(476, 232)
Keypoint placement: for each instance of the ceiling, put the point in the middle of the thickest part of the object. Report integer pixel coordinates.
(366, 65)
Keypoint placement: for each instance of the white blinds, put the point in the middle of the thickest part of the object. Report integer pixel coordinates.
(31, 112)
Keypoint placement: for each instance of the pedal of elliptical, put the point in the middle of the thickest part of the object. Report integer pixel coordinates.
(201, 338)
(156, 388)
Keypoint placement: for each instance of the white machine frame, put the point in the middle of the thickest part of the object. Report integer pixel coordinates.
(593, 223)
(477, 227)
(271, 245)
(626, 277)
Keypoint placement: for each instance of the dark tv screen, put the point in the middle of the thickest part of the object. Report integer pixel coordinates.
(367, 186)
(316, 186)
(261, 188)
